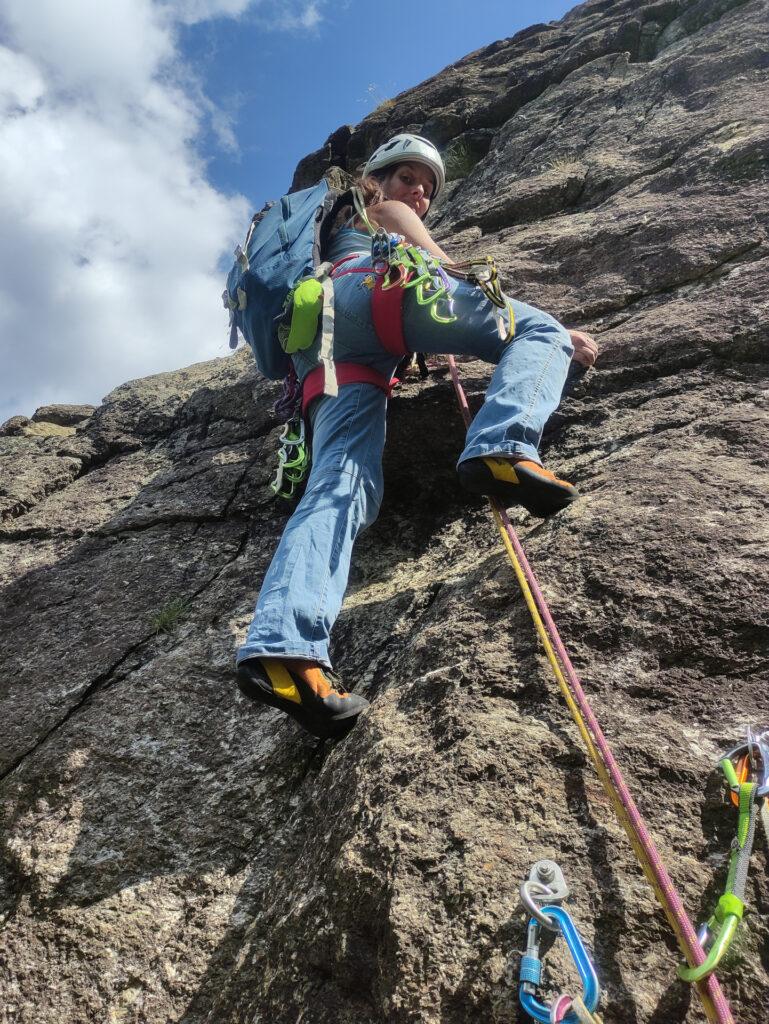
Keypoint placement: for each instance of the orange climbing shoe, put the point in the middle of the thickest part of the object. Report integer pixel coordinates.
(517, 483)
(305, 690)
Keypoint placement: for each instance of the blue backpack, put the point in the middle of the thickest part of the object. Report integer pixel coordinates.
(282, 247)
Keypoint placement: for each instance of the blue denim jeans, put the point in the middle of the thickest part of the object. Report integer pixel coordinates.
(303, 590)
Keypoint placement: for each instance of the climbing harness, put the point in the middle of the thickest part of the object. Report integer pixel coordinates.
(408, 266)
(398, 265)
(554, 917)
(709, 990)
(748, 781)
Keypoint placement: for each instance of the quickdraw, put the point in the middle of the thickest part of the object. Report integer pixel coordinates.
(483, 274)
(555, 918)
(293, 460)
(746, 769)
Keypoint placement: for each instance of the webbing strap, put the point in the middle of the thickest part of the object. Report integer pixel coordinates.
(746, 832)
(387, 317)
(709, 990)
(346, 373)
(330, 386)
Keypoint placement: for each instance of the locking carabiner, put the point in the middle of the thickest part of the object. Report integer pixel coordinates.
(531, 967)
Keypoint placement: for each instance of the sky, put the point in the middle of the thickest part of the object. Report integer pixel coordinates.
(137, 137)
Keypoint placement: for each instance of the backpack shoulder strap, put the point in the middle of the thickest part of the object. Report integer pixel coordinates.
(336, 202)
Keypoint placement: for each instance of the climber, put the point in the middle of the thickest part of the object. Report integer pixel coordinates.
(284, 661)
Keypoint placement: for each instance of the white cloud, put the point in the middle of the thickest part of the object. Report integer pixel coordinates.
(112, 238)
(21, 85)
(307, 16)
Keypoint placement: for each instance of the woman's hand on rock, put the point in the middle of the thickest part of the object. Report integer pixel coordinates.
(585, 348)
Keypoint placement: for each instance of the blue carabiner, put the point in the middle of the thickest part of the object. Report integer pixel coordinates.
(531, 968)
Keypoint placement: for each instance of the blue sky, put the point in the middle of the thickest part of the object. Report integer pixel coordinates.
(138, 136)
(288, 90)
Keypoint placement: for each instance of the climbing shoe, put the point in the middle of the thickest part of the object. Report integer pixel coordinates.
(517, 483)
(303, 689)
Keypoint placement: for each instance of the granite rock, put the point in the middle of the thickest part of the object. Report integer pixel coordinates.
(171, 852)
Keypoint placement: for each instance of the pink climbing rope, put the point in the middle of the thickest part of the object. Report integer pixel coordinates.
(688, 936)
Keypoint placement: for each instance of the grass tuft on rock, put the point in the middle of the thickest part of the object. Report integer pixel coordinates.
(171, 615)
(459, 161)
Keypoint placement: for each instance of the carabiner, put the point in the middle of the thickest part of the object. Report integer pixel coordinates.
(722, 926)
(736, 774)
(506, 331)
(401, 279)
(728, 914)
(383, 246)
(531, 967)
(292, 433)
(293, 460)
(449, 318)
(749, 759)
(758, 751)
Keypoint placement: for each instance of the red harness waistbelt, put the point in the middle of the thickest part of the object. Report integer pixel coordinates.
(386, 307)
(387, 318)
(346, 373)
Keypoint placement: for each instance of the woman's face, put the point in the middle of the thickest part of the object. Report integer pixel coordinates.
(412, 184)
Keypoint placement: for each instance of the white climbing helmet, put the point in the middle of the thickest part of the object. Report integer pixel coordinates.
(408, 148)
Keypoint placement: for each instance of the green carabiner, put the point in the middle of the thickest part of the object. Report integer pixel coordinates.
(731, 907)
(728, 915)
(293, 460)
(450, 319)
(427, 293)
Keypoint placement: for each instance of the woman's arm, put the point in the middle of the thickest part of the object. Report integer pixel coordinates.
(395, 216)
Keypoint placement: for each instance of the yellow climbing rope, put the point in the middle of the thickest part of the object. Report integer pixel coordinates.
(709, 990)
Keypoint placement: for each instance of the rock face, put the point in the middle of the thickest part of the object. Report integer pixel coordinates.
(172, 853)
